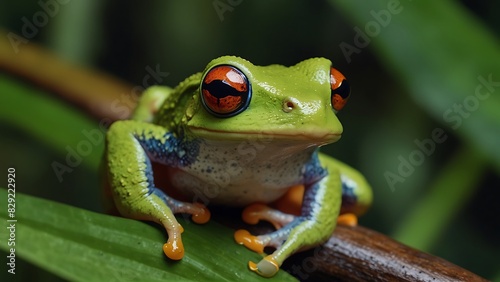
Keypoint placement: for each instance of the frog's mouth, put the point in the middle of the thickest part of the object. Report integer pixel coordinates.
(312, 136)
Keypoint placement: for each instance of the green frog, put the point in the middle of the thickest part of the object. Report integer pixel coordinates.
(239, 134)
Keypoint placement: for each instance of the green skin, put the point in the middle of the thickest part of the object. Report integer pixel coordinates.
(254, 156)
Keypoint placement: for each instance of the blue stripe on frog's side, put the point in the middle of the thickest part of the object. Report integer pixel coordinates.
(170, 150)
(309, 202)
(313, 170)
(349, 197)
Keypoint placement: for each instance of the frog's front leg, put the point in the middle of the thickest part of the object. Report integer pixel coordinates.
(130, 145)
(314, 226)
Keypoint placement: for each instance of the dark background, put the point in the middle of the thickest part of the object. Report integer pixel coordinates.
(387, 111)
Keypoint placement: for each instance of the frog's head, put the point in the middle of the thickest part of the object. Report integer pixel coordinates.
(237, 100)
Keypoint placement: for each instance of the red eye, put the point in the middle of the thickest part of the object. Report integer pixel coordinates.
(340, 89)
(225, 91)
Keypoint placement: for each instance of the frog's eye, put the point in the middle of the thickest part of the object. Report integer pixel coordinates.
(340, 89)
(225, 91)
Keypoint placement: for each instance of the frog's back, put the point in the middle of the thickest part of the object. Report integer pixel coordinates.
(176, 101)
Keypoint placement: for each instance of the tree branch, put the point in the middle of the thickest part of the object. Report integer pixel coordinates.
(95, 92)
(361, 254)
(351, 254)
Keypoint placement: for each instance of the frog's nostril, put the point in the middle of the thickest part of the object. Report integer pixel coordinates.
(289, 105)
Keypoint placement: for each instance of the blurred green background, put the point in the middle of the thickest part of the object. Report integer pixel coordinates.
(414, 67)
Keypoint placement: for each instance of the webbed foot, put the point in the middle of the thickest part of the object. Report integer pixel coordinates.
(173, 248)
(281, 239)
(255, 213)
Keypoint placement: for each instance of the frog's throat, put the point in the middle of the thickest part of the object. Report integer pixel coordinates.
(316, 137)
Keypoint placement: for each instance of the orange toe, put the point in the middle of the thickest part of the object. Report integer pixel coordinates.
(348, 219)
(250, 241)
(174, 249)
(252, 213)
(203, 216)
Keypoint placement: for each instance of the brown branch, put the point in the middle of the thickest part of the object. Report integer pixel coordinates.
(98, 94)
(352, 253)
(361, 254)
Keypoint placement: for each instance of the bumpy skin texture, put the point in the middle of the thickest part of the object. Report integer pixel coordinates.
(252, 155)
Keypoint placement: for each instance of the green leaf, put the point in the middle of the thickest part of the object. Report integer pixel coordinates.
(57, 125)
(80, 245)
(443, 55)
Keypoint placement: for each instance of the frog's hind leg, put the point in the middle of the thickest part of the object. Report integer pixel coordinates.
(311, 228)
(356, 192)
(356, 199)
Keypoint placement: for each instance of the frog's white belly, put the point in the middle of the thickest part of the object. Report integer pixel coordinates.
(242, 173)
